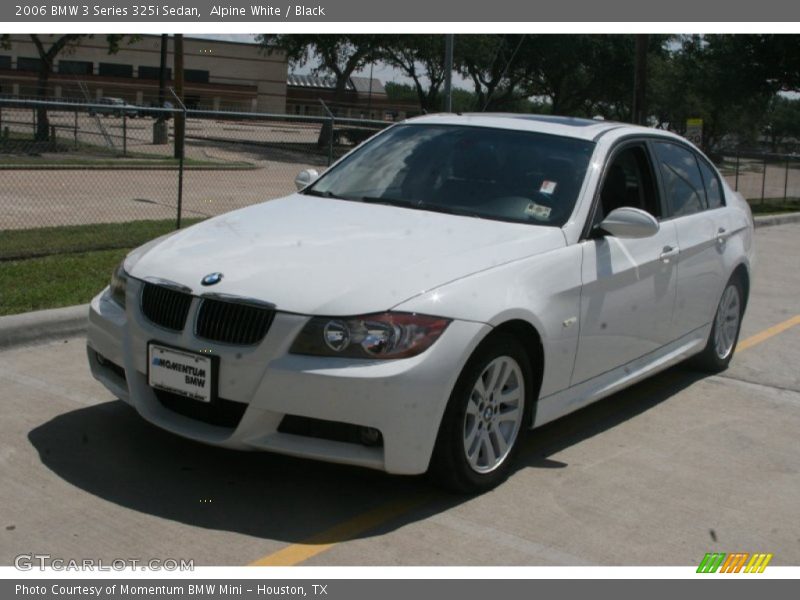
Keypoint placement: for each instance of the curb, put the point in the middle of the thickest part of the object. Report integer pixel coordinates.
(769, 220)
(42, 325)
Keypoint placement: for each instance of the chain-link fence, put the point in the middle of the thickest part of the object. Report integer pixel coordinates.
(79, 177)
(766, 180)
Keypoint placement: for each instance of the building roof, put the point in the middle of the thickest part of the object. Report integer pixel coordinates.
(359, 85)
(362, 86)
(312, 81)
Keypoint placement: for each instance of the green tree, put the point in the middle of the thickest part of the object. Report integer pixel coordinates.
(782, 123)
(421, 58)
(495, 66)
(337, 55)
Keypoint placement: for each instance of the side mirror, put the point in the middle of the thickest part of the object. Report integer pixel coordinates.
(305, 178)
(629, 222)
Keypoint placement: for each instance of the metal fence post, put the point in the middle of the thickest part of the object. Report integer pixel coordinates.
(330, 142)
(736, 184)
(124, 134)
(764, 179)
(330, 137)
(786, 181)
(76, 128)
(182, 145)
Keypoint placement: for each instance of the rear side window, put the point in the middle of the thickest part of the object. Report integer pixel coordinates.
(683, 183)
(713, 187)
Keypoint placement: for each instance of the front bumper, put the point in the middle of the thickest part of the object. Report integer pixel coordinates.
(403, 399)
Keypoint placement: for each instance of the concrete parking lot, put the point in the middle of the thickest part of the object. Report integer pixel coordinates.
(660, 474)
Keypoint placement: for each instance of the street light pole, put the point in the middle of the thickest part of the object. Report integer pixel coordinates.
(180, 118)
(639, 110)
(448, 72)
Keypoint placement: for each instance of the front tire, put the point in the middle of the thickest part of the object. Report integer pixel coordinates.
(722, 340)
(488, 410)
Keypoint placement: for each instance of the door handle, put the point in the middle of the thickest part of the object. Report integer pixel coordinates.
(667, 253)
(722, 235)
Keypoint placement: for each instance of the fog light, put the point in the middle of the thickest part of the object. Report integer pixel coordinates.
(101, 359)
(370, 436)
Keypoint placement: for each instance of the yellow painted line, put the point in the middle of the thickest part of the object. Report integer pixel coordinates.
(348, 530)
(763, 336)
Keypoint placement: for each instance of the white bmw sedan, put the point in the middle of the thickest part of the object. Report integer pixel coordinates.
(449, 284)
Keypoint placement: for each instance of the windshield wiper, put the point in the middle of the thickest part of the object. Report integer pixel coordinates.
(420, 205)
(452, 210)
(390, 201)
(326, 194)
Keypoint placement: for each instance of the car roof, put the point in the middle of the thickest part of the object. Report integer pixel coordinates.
(574, 127)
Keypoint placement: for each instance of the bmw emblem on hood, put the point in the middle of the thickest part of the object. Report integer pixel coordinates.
(212, 279)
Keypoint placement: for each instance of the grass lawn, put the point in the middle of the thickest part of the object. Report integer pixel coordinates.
(55, 281)
(46, 241)
(71, 263)
(774, 207)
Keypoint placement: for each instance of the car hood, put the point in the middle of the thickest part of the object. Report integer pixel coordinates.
(323, 256)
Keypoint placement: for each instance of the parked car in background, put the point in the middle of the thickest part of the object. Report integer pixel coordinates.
(447, 285)
(114, 107)
(155, 114)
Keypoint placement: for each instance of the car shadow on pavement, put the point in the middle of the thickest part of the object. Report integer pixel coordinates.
(108, 451)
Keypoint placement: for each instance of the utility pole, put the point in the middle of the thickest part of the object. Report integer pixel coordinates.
(162, 71)
(180, 120)
(448, 72)
(639, 109)
(160, 131)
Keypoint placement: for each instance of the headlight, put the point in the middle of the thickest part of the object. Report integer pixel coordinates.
(385, 335)
(119, 282)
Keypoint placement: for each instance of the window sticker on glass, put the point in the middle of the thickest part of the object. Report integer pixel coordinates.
(548, 187)
(537, 211)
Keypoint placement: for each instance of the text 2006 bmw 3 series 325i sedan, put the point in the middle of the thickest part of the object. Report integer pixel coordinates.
(449, 284)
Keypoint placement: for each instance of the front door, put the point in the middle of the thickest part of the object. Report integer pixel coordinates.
(629, 285)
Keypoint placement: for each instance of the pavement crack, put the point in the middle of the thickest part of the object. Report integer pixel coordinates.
(769, 386)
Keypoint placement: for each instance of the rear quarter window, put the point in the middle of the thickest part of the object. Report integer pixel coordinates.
(713, 185)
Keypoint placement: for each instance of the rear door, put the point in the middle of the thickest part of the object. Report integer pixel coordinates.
(695, 206)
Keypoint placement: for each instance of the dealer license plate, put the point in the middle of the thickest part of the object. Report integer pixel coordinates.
(180, 372)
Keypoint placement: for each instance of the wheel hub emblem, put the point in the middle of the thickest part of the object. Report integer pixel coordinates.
(212, 279)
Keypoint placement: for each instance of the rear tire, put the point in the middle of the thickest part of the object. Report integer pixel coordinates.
(722, 340)
(486, 416)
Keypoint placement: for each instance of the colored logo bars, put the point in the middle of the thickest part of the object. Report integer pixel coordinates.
(734, 563)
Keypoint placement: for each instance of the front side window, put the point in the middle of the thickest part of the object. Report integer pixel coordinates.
(474, 171)
(629, 181)
(683, 183)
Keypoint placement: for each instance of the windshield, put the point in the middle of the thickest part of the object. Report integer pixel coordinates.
(475, 171)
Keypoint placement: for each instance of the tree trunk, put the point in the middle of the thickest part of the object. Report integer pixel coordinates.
(42, 122)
